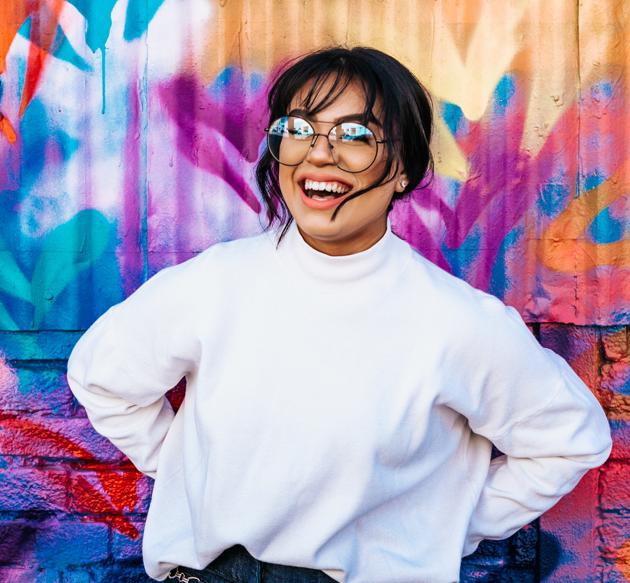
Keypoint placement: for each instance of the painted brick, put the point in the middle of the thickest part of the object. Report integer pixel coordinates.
(63, 544)
(579, 345)
(489, 554)
(40, 345)
(61, 439)
(613, 534)
(620, 432)
(42, 490)
(523, 546)
(616, 377)
(615, 342)
(608, 572)
(615, 493)
(105, 492)
(40, 388)
(17, 540)
(17, 575)
(123, 572)
(144, 489)
(124, 547)
(566, 535)
(79, 577)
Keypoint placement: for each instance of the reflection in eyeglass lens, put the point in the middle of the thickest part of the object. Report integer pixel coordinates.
(352, 145)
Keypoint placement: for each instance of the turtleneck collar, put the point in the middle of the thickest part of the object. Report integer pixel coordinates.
(375, 266)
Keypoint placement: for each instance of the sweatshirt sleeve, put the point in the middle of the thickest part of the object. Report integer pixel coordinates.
(124, 364)
(536, 410)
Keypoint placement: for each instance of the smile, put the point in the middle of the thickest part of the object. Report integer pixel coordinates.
(323, 191)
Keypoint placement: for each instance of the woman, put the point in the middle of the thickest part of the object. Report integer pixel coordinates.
(343, 393)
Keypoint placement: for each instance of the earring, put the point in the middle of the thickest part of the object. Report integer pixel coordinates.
(403, 184)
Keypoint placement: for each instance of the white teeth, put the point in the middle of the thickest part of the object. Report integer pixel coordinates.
(325, 186)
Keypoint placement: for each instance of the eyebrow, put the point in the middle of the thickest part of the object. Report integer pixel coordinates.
(357, 117)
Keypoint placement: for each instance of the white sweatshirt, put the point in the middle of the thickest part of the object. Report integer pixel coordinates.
(339, 411)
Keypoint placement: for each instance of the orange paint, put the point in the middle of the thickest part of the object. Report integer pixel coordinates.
(563, 246)
(623, 560)
(13, 13)
(44, 16)
(7, 129)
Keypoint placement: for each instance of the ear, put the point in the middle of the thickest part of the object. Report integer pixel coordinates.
(401, 182)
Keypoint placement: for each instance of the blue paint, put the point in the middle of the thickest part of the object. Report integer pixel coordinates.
(551, 201)
(38, 133)
(592, 180)
(139, 14)
(452, 115)
(452, 189)
(602, 92)
(499, 283)
(605, 228)
(463, 260)
(231, 81)
(503, 93)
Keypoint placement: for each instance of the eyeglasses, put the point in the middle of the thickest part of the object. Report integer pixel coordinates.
(352, 146)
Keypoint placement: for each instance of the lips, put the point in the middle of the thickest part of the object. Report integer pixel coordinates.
(323, 191)
(327, 203)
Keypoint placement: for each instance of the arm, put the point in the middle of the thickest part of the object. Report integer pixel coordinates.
(125, 363)
(535, 409)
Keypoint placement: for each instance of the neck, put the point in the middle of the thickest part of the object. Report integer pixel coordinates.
(356, 242)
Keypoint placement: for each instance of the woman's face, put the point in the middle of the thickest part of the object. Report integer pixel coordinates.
(362, 221)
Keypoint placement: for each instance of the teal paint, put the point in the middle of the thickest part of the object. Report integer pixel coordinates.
(139, 14)
(68, 250)
(12, 280)
(61, 49)
(98, 14)
(103, 50)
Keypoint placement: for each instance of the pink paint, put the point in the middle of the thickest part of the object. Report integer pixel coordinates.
(9, 380)
(132, 249)
(199, 118)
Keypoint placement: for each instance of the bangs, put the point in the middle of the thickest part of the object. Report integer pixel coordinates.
(322, 85)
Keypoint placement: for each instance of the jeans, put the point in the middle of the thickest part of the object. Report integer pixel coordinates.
(236, 565)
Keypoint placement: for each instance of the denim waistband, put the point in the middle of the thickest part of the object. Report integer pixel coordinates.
(236, 565)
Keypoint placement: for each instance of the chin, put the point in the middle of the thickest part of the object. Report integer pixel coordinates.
(319, 227)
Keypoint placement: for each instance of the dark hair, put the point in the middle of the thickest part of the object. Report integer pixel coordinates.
(406, 116)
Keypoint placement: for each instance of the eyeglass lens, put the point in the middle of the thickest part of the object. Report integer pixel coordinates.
(352, 145)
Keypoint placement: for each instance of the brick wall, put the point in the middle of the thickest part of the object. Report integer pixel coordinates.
(72, 508)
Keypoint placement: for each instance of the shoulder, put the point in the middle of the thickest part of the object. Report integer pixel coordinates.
(222, 266)
(451, 297)
(235, 255)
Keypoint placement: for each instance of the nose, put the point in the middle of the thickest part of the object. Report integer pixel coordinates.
(319, 153)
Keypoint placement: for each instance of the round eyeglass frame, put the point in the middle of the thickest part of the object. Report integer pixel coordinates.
(330, 146)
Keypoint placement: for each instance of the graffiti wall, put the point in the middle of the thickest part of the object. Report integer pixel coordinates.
(129, 132)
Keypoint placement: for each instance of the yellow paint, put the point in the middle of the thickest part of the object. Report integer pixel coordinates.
(563, 246)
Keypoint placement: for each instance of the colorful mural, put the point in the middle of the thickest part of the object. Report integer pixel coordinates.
(129, 131)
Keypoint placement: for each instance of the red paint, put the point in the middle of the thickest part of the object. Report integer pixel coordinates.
(25, 437)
